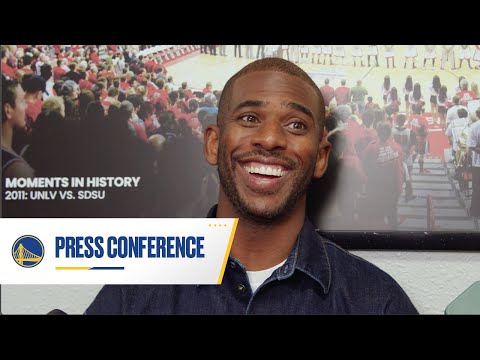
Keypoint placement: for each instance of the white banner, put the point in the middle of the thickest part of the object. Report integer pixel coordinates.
(115, 251)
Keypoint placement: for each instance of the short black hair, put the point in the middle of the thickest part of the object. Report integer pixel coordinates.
(462, 113)
(33, 83)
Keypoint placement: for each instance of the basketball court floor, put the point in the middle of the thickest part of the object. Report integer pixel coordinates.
(450, 204)
(218, 69)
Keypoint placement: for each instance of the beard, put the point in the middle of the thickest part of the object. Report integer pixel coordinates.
(245, 207)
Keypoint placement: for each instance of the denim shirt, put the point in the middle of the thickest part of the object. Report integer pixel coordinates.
(318, 277)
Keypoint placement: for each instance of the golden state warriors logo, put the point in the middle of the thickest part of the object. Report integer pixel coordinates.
(28, 251)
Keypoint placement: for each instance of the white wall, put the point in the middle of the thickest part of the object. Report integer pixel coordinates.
(431, 279)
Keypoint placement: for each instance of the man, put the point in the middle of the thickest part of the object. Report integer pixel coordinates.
(448, 54)
(358, 95)
(58, 71)
(328, 92)
(464, 94)
(13, 116)
(406, 138)
(419, 126)
(452, 112)
(342, 93)
(34, 87)
(457, 132)
(268, 144)
(383, 164)
(474, 144)
(7, 70)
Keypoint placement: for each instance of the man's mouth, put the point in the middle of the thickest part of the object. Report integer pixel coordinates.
(264, 177)
(266, 170)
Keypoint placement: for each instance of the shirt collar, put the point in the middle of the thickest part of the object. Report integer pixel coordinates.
(308, 256)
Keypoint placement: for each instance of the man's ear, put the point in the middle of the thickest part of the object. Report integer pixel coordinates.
(211, 136)
(322, 157)
(8, 110)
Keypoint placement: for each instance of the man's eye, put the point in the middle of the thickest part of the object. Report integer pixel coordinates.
(249, 118)
(296, 125)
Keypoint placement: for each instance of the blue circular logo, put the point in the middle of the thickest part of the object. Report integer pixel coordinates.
(28, 251)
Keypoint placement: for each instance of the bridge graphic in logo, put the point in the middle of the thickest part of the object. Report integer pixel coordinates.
(28, 251)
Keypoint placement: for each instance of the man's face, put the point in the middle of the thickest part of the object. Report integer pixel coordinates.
(75, 92)
(16, 116)
(269, 144)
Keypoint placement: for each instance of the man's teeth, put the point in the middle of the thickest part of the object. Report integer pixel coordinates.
(265, 171)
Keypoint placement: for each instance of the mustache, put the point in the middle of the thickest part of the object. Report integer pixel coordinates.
(267, 154)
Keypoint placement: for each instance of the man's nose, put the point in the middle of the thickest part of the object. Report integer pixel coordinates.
(270, 135)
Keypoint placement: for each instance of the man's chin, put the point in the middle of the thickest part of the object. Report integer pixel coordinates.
(263, 214)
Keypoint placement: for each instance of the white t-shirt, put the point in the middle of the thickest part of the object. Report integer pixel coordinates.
(256, 278)
(455, 128)
(474, 140)
(452, 112)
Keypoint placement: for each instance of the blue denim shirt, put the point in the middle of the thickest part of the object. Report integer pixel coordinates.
(318, 277)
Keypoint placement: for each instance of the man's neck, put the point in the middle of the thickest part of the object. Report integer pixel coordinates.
(7, 135)
(261, 246)
(32, 98)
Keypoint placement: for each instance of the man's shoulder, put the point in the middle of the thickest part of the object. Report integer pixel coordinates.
(370, 289)
(352, 270)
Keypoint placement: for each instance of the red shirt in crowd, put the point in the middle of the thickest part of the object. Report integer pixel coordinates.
(419, 126)
(342, 95)
(140, 131)
(26, 70)
(328, 93)
(58, 72)
(8, 70)
(84, 84)
(188, 94)
(151, 88)
(149, 65)
(207, 91)
(33, 110)
(383, 167)
(95, 58)
(465, 96)
(354, 136)
(92, 77)
(106, 73)
(124, 85)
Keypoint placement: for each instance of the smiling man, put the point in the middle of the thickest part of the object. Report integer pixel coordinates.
(269, 144)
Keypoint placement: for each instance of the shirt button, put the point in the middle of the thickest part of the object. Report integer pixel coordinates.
(241, 288)
(285, 270)
(233, 264)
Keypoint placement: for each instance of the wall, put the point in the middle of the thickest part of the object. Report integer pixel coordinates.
(431, 279)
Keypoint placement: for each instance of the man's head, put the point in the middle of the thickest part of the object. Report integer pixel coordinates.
(462, 113)
(456, 100)
(342, 113)
(384, 131)
(13, 103)
(401, 120)
(34, 85)
(268, 140)
(70, 88)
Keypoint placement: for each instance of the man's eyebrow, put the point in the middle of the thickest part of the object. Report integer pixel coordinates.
(251, 103)
(301, 108)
